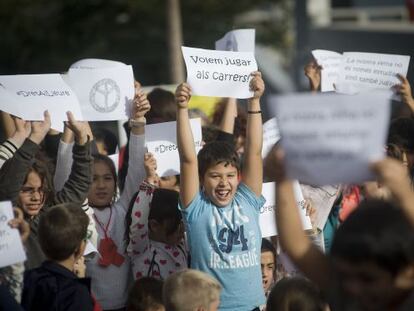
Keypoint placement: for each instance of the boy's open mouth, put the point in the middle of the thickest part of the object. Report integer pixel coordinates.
(222, 194)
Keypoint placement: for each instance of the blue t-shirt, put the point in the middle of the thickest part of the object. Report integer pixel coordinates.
(225, 242)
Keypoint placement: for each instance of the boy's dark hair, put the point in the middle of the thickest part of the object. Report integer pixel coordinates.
(215, 153)
(108, 138)
(295, 294)
(162, 106)
(61, 230)
(376, 232)
(163, 208)
(107, 160)
(267, 246)
(146, 293)
(401, 133)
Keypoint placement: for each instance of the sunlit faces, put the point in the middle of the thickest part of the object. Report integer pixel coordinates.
(268, 269)
(31, 195)
(102, 189)
(373, 287)
(220, 183)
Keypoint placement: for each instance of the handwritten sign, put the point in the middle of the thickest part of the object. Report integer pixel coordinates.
(105, 93)
(219, 73)
(330, 62)
(271, 136)
(267, 218)
(11, 247)
(239, 40)
(369, 70)
(28, 96)
(161, 140)
(330, 138)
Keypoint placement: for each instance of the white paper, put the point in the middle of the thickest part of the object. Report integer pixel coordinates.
(11, 247)
(361, 71)
(219, 73)
(239, 40)
(95, 63)
(89, 249)
(267, 217)
(115, 159)
(330, 62)
(161, 141)
(105, 93)
(271, 136)
(329, 138)
(28, 96)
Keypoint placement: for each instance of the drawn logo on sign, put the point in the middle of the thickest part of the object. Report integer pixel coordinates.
(105, 95)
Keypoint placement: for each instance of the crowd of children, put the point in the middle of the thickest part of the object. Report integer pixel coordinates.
(193, 241)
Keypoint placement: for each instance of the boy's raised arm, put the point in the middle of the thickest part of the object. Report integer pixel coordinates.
(252, 174)
(305, 255)
(189, 181)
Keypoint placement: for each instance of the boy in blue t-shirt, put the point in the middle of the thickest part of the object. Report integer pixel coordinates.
(222, 219)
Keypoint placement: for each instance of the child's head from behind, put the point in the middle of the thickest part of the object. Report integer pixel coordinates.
(218, 169)
(165, 220)
(146, 295)
(191, 290)
(268, 264)
(36, 189)
(292, 294)
(62, 231)
(373, 255)
(103, 189)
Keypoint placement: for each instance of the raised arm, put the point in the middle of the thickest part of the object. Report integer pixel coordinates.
(313, 73)
(395, 176)
(189, 179)
(404, 89)
(252, 174)
(136, 173)
(139, 229)
(77, 185)
(305, 255)
(229, 115)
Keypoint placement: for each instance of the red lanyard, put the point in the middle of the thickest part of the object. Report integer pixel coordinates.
(105, 230)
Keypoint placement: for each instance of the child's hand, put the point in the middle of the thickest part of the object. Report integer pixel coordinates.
(313, 73)
(182, 95)
(274, 164)
(19, 223)
(150, 164)
(79, 268)
(40, 128)
(310, 211)
(141, 104)
(257, 85)
(81, 129)
(394, 175)
(23, 128)
(404, 89)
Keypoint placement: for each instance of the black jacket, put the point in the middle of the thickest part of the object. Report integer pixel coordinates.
(52, 287)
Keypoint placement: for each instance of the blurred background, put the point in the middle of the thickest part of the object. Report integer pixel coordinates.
(47, 36)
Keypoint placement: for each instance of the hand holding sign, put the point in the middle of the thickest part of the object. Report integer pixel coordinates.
(257, 85)
(40, 129)
(19, 223)
(81, 129)
(313, 73)
(150, 165)
(183, 95)
(404, 90)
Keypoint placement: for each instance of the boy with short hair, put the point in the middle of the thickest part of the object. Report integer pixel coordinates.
(222, 219)
(54, 285)
(191, 290)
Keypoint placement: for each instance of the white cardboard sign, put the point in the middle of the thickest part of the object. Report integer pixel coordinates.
(330, 62)
(329, 138)
(239, 40)
(104, 93)
(352, 72)
(267, 218)
(161, 141)
(28, 96)
(271, 136)
(369, 70)
(219, 73)
(11, 247)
